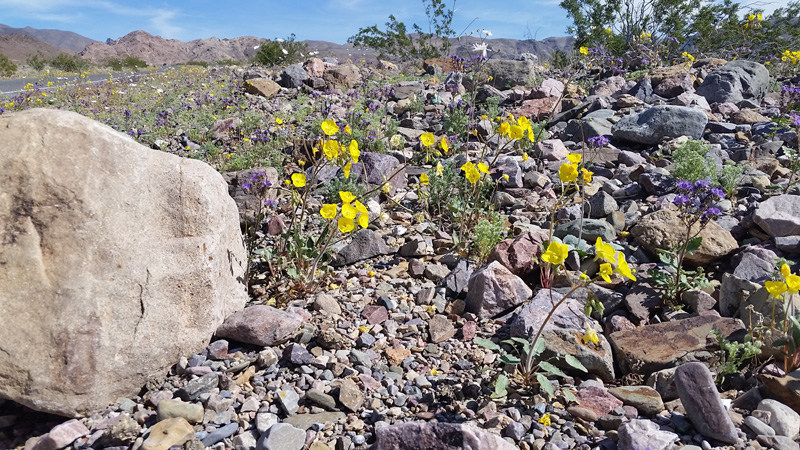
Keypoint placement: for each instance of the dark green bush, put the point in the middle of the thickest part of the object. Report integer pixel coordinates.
(277, 53)
(7, 68)
(37, 61)
(69, 63)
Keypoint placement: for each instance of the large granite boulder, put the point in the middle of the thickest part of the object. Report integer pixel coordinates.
(736, 81)
(116, 260)
(661, 121)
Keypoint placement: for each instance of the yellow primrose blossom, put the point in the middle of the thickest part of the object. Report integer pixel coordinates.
(298, 180)
(354, 151)
(331, 149)
(471, 172)
(328, 211)
(793, 283)
(516, 132)
(523, 122)
(605, 272)
(504, 129)
(427, 139)
(329, 127)
(524, 157)
(587, 175)
(785, 271)
(751, 17)
(439, 169)
(278, 121)
(346, 196)
(424, 179)
(568, 172)
(760, 16)
(776, 288)
(360, 207)
(443, 145)
(556, 253)
(590, 336)
(545, 420)
(575, 158)
(483, 168)
(347, 129)
(608, 30)
(345, 225)
(583, 51)
(623, 267)
(604, 251)
(346, 169)
(363, 220)
(348, 211)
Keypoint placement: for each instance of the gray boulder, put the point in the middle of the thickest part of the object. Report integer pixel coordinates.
(493, 289)
(703, 405)
(117, 260)
(659, 122)
(779, 216)
(507, 73)
(736, 81)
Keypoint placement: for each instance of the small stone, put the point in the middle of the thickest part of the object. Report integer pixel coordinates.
(778, 442)
(758, 427)
(703, 405)
(320, 398)
(62, 435)
(640, 434)
(396, 355)
(784, 420)
(327, 304)
(195, 388)
(282, 436)
(440, 329)
(375, 314)
(264, 420)
(166, 433)
(289, 400)
(168, 409)
(644, 398)
(220, 434)
(350, 395)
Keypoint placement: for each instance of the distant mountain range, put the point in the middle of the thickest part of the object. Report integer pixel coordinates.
(19, 43)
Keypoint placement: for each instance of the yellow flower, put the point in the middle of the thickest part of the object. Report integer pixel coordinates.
(516, 132)
(424, 179)
(605, 272)
(776, 288)
(298, 179)
(504, 129)
(587, 175)
(347, 129)
(556, 253)
(278, 121)
(568, 172)
(506, 177)
(471, 172)
(793, 283)
(523, 122)
(439, 169)
(363, 220)
(345, 225)
(608, 30)
(604, 251)
(524, 157)
(623, 268)
(531, 136)
(329, 127)
(346, 196)
(427, 139)
(331, 149)
(443, 145)
(328, 211)
(347, 168)
(371, 273)
(348, 211)
(759, 16)
(361, 208)
(785, 271)
(590, 335)
(354, 151)
(574, 158)
(434, 372)
(583, 51)
(545, 420)
(751, 17)
(483, 168)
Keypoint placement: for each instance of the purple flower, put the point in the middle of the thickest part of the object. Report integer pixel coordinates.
(701, 184)
(684, 185)
(598, 141)
(796, 119)
(246, 186)
(269, 203)
(712, 212)
(680, 200)
(718, 192)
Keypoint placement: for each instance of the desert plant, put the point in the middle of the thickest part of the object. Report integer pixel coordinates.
(488, 232)
(7, 68)
(691, 163)
(281, 52)
(37, 61)
(733, 355)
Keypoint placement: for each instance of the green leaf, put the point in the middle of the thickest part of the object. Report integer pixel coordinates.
(526, 344)
(538, 347)
(500, 386)
(573, 361)
(694, 245)
(486, 343)
(569, 396)
(546, 385)
(509, 359)
(549, 368)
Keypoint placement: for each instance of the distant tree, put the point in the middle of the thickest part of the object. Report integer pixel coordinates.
(69, 63)
(7, 68)
(396, 41)
(37, 61)
(281, 52)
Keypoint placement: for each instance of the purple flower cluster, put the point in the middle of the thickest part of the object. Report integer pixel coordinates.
(597, 141)
(695, 201)
(257, 185)
(795, 119)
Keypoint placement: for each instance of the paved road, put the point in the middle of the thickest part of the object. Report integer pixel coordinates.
(10, 88)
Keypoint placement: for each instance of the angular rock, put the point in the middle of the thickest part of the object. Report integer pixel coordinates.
(640, 433)
(62, 435)
(519, 255)
(293, 76)
(600, 205)
(736, 81)
(663, 228)
(669, 343)
(169, 409)
(778, 442)
(644, 398)
(350, 395)
(343, 76)
(507, 73)
(364, 244)
(282, 436)
(703, 405)
(659, 122)
(220, 434)
(167, 433)
(440, 329)
(551, 150)
(262, 86)
(779, 216)
(116, 243)
(260, 325)
(598, 400)
(598, 359)
(588, 229)
(783, 419)
(569, 314)
(493, 289)
(436, 436)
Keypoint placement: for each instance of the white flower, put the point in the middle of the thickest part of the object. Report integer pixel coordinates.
(482, 47)
(285, 52)
(279, 40)
(487, 32)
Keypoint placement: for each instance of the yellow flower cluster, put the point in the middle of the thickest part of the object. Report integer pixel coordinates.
(689, 58)
(473, 171)
(344, 156)
(352, 212)
(792, 57)
(517, 129)
(790, 283)
(569, 171)
(557, 252)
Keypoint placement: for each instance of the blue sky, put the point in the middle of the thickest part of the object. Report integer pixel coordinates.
(329, 20)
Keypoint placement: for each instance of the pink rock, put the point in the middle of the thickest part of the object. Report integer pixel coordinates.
(314, 67)
(598, 400)
(519, 255)
(493, 289)
(260, 325)
(610, 87)
(549, 88)
(552, 149)
(539, 108)
(469, 331)
(375, 314)
(62, 435)
(674, 85)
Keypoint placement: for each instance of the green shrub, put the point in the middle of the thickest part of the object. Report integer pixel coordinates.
(7, 68)
(692, 164)
(37, 61)
(69, 63)
(281, 52)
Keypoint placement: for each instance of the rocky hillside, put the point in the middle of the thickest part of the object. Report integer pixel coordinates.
(62, 40)
(18, 47)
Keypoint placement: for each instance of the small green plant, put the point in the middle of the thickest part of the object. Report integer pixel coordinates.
(691, 163)
(784, 290)
(733, 355)
(69, 63)
(488, 232)
(37, 61)
(696, 210)
(729, 179)
(560, 60)
(793, 164)
(281, 52)
(7, 68)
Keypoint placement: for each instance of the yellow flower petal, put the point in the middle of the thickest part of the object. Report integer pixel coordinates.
(331, 149)
(345, 225)
(424, 179)
(443, 145)
(504, 129)
(298, 180)
(556, 253)
(348, 211)
(568, 173)
(623, 268)
(363, 220)
(776, 288)
(604, 251)
(346, 196)
(439, 169)
(574, 158)
(590, 335)
(347, 168)
(328, 211)
(605, 272)
(329, 127)
(361, 208)
(427, 139)
(793, 283)
(483, 168)
(347, 129)
(785, 271)
(354, 151)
